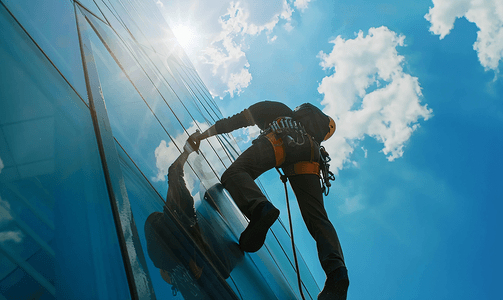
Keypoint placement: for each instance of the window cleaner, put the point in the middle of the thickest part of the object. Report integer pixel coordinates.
(289, 140)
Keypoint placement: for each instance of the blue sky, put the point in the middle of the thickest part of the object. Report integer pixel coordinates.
(415, 87)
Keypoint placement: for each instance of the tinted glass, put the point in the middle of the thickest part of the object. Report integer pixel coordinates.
(58, 40)
(57, 233)
(91, 6)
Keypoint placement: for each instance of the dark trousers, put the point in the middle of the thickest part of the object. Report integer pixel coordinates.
(239, 178)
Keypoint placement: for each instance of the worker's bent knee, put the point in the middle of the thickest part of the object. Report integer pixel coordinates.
(229, 173)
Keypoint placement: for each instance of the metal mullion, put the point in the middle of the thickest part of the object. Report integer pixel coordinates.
(28, 231)
(197, 103)
(185, 107)
(140, 285)
(43, 52)
(34, 210)
(188, 75)
(131, 19)
(171, 88)
(219, 141)
(212, 101)
(181, 67)
(146, 74)
(145, 177)
(205, 88)
(184, 84)
(25, 266)
(84, 7)
(208, 140)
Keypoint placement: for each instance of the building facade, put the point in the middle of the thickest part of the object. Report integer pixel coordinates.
(97, 100)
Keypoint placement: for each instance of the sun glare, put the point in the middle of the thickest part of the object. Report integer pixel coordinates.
(185, 36)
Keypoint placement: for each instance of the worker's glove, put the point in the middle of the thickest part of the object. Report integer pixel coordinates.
(193, 142)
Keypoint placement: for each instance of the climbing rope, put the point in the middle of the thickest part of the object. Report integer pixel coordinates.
(284, 179)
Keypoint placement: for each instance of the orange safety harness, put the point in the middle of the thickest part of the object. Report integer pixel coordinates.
(302, 167)
(279, 149)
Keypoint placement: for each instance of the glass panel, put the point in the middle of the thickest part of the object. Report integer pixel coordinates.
(91, 6)
(57, 233)
(263, 262)
(52, 25)
(280, 247)
(132, 122)
(218, 153)
(153, 101)
(188, 265)
(168, 81)
(195, 92)
(215, 155)
(141, 106)
(143, 20)
(207, 110)
(119, 15)
(176, 264)
(147, 112)
(205, 90)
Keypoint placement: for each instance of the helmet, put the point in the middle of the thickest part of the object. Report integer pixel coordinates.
(331, 126)
(315, 121)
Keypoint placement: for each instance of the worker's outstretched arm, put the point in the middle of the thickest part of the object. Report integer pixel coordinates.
(226, 125)
(209, 132)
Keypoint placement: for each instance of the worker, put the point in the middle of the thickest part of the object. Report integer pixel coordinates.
(289, 140)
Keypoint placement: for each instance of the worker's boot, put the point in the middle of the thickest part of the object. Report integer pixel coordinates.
(263, 216)
(336, 285)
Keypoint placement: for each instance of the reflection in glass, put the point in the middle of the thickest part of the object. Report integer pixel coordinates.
(189, 265)
(58, 40)
(144, 112)
(57, 234)
(133, 124)
(91, 6)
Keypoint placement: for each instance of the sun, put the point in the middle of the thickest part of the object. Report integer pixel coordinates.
(185, 35)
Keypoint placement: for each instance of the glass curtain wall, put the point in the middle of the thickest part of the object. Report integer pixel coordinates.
(57, 233)
(97, 198)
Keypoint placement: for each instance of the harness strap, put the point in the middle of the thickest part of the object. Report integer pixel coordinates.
(279, 150)
(302, 167)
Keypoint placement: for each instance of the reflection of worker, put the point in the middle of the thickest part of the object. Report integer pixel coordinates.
(175, 256)
(290, 140)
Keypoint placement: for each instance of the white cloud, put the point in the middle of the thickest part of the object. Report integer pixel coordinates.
(16, 236)
(6, 217)
(365, 151)
(351, 205)
(237, 82)
(301, 4)
(245, 135)
(369, 94)
(487, 16)
(159, 3)
(226, 53)
(286, 14)
(5, 214)
(165, 155)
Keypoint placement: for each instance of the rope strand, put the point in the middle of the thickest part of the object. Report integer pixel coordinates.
(284, 179)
